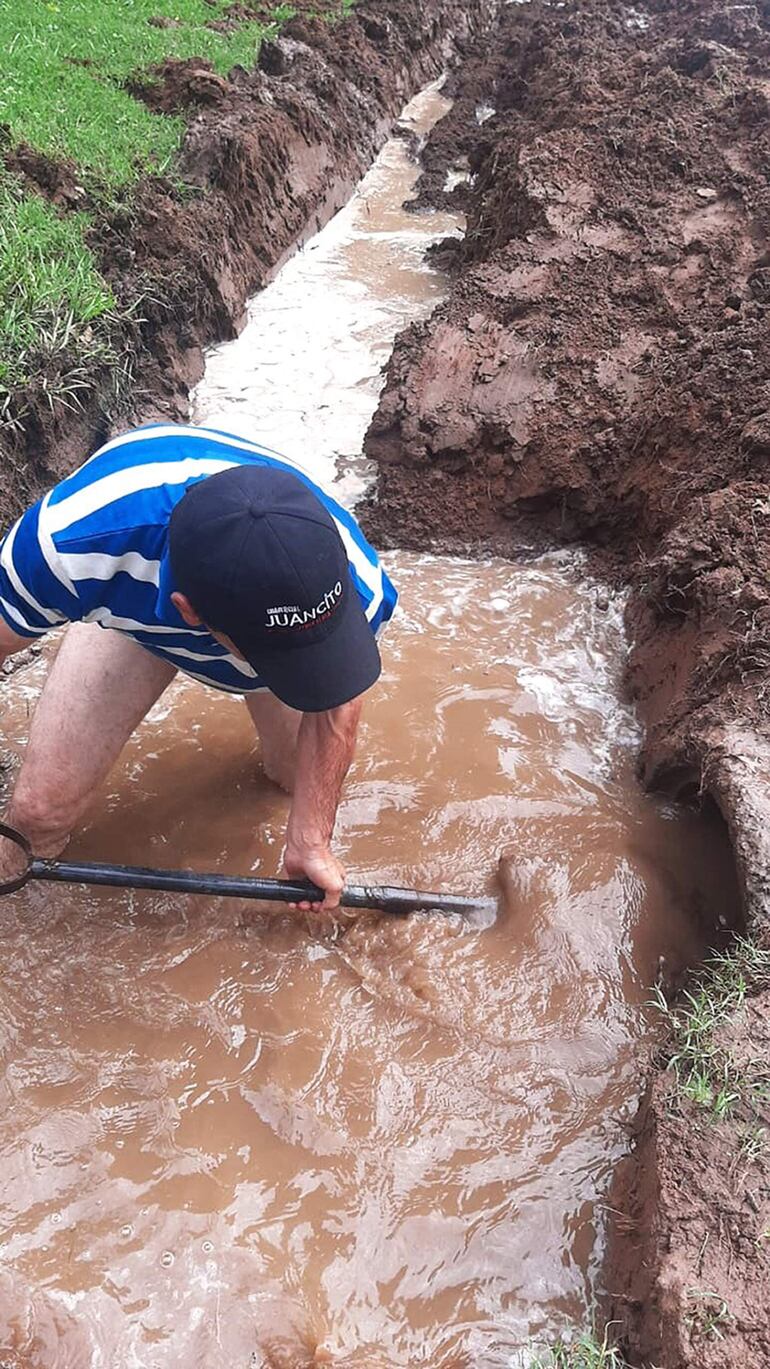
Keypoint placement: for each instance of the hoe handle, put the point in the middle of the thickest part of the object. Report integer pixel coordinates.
(381, 899)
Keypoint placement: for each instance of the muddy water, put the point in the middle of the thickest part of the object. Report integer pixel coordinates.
(306, 371)
(229, 1139)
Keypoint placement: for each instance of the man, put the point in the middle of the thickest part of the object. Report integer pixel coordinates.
(180, 548)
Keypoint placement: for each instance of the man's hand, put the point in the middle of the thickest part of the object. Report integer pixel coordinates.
(325, 746)
(321, 867)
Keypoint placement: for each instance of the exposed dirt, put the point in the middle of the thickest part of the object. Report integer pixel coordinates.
(57, 181)
(268, 157)
(688, 1270)
(599, 372)
(175, 86)
(599, 369)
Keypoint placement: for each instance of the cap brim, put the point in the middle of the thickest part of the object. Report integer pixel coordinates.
(325, 674)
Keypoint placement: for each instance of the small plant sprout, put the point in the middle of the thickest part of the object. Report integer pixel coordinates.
(586, 1351)
(753, 1144)
(707, 1314)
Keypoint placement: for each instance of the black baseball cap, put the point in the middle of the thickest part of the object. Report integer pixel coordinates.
(261, 560)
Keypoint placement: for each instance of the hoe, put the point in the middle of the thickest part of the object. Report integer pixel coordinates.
(398, 902)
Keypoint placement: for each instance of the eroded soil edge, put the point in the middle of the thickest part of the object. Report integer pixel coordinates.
(599, 373)
(268, 157)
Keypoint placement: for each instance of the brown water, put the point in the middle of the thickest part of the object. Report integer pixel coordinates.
(305, 374)
(228, 1139)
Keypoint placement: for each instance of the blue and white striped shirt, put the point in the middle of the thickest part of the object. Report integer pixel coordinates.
(95, 549)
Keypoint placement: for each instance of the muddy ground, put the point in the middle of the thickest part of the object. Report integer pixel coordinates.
(688, 1270)
(600, 373)
(268, 157)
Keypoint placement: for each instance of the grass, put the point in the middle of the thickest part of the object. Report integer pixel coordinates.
(50, 289)
(587, 1351)
(706, 1072)
(65, 67)
(707, 1315)
(753, 1144)
(67, 61)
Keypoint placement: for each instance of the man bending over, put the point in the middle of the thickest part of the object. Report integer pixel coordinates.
(180, 548)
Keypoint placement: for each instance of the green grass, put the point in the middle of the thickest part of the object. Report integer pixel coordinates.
(50, 288)
(66, 109)
(587, 1351)
(66, 63)
(707, 1073)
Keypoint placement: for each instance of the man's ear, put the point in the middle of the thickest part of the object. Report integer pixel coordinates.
(182, 605)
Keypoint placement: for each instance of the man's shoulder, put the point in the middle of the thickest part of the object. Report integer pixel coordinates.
(137, 477)
(165, 445)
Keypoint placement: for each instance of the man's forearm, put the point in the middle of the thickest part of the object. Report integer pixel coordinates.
(325, 747)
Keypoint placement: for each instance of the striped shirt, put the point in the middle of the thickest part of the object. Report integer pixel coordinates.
(95, 549)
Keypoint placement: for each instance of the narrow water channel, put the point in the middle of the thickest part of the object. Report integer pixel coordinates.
(229, 1139)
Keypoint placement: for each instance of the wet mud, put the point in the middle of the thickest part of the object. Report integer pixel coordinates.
(687, 1264)
(598, 371)
(598, 374)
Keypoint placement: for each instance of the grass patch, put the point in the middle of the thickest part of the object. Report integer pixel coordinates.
(50, 289)
(66, 63)
(65, 69)
(705, 1070)
(588, 1351)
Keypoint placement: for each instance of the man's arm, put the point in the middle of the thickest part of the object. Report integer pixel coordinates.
(325, 746)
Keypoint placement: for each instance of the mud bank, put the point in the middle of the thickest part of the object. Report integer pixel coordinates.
(599, 373)
(269, 156)
(599, 370)
(687, 1269)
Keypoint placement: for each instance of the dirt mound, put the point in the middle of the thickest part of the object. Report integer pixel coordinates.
(268, 157)
(175, 86)
(615, 267)
(55, 181)
(599, 370)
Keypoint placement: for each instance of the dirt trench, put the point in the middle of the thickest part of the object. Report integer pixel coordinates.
(268, 157)
(599, 370)
(599, 374)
